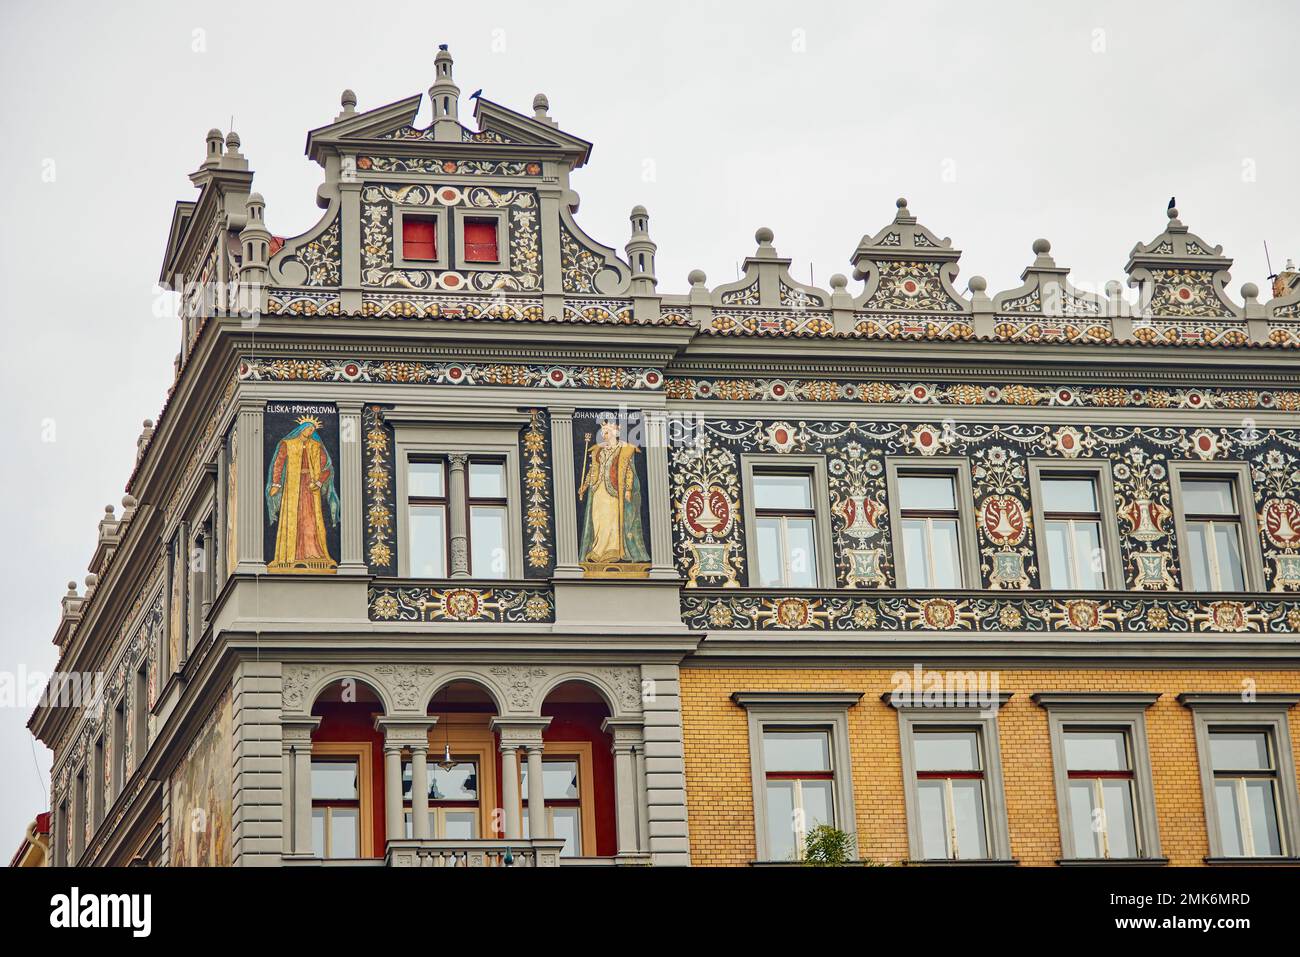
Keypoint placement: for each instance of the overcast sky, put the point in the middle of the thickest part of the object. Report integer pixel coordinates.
(1000, 122)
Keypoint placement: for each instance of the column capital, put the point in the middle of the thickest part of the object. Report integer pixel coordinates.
(297, 729)
(628, 733)
(520, 732)
(405, 731)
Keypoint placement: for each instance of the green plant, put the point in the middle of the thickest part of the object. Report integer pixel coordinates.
(827, 846)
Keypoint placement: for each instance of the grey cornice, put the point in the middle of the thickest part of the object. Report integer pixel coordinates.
(796, 699)
(1098, 700)
(1237, 700)
(971, 701)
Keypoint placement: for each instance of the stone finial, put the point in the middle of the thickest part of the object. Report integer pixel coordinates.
(232, 143)
(839, 282)
(1249, 291)
(903, 212)
(129, 505)
(72, 589)
(445, 97)
(764, 236)
(540, 106)
(641, 253)
(348, 101)
(696, 277)
(212, 155)
(978, 283)
(141, 443)
(91, 581)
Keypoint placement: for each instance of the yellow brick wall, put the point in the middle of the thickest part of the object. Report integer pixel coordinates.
(719, 791)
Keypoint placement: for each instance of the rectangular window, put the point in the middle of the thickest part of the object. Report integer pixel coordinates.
(453, 798)
(119, 750)
(1072, 532)
(950, 793)
(1213, 533)
(800, 784)
(481, 241)
(563, 794)
(79, 816)
(785, 520)
(140, 720)
(488, 514)
(931, 529)
(426, 490)
(419, 238)
(335, 808)
(1099, 769)
(97, 776)
(1244, 769)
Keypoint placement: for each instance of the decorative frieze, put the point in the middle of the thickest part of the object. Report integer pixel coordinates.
(461, 603)
(450, 372)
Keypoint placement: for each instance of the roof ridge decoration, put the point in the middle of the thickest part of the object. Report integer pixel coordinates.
(907, 268)
(1181, 276)
(1047, 306)
(758, 302)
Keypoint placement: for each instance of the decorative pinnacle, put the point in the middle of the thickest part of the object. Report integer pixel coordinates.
(540, 105)
(696, 277)
(978, 283)
(1042, 247)
(1249, 290)
(763, 236)
(348, 100)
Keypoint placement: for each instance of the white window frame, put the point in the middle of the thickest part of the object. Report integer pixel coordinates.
(821, 710)
(1125, 712)
(1264, 712)
(912, 716)
(958, 468)
(1238, 473)
(815, 467)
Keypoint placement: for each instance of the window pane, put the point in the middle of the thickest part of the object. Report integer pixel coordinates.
(934, 829)
(487, 536)
(780, 820)
(1198, 555)
(1087, 840)
(916, 552)
(796, 750)
(1208, 497)
(1096, 751)
(425, 480)
(428, 542)
(770, 571)
(460, 783)
(1240, 751)
(1225, 801)
(1121, 831)
(343, 832)
(929, 492)
(1069, 494)
(947, 750)
(802, 558)
(778, 490)
(947, 563)
(968, 811)
(318, 832)
(334, 780)
(1263, 817)
(559, 780)
(487, 480)
(566, 823)
(460, 825)
(1088, 564)
(818, 803)
(1057, 541)
(1227, 547)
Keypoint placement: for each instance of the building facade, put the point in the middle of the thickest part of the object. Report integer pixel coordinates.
(446, 491)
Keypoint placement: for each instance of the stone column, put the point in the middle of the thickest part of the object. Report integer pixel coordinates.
(251, 508)
(519, 733)
(457, 496)
(295, 737)
(661, 553)
(402, 732)
(627, 738)
(352, 522)
(566, 503)
(537, 826)
(420, 790)
(510, 791)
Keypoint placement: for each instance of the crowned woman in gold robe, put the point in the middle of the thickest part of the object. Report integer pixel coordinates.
(299, 487)
(611, 526)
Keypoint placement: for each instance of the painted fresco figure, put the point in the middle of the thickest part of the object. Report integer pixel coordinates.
(611, 526)
(299, 488)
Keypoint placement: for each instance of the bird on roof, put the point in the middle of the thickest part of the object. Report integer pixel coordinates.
(1172, 204)
(476, 94)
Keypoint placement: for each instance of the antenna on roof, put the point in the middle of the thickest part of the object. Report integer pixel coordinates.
(1269, 262)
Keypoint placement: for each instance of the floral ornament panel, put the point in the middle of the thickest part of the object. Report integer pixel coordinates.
(1185, 293)
(379, 491)
(911, 286)
(706, 451)
(748, 296)
(970, 394)
(538, 493)
(1047, 614)
(448, 166)
(426, 372)
(378, 265)
(578, 264)
(507, 605)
